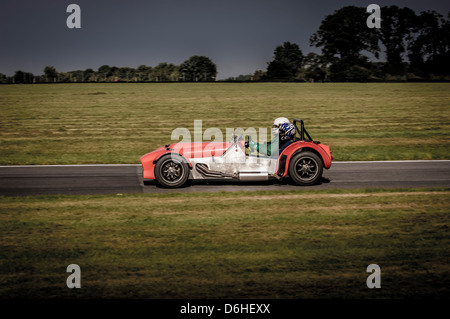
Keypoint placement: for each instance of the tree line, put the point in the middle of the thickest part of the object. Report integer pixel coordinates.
(194, 69)
(415, 47)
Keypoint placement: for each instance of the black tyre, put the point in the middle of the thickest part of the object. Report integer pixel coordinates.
(305, 168)
(171, 171)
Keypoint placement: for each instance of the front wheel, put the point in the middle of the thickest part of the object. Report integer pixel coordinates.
(171, 171)
(305, 168)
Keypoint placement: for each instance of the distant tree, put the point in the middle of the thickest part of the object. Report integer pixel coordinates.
(397, 29)
(51, 75)
(429, 51)
(64, 77)
(357, 71)
(286, 63)
(315, 67)
(259, 75)
(88, 75)
(124, 74)
(343, 36)
(104, 72)
(114, 74)
(240, 78)
(76, 76)
(165, 72)
(3, 78)
(142, 72)
(174, 74)
(443, 60)
(198, 68)
(23, 77)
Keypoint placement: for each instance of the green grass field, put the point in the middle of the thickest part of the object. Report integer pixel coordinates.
(296, 244)
(118, 123)
(220, 245)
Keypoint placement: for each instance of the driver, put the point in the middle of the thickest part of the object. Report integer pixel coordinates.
(283, 132)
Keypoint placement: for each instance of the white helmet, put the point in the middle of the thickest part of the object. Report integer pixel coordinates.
(276, 124)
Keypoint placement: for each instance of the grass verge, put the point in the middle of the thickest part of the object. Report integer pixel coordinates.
(118, 123)
(294, 244)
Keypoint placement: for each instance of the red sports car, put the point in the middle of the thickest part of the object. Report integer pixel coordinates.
(174, 164)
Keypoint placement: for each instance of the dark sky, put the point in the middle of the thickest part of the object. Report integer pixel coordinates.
(238, 35)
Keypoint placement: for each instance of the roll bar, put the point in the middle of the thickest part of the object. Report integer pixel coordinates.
(302, 131)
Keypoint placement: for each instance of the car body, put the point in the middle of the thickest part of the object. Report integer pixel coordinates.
(175, 164)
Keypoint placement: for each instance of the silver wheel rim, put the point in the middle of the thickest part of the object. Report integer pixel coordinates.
(306, 168)
(171, 171)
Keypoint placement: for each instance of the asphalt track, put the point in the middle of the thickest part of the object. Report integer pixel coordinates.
(115, 179)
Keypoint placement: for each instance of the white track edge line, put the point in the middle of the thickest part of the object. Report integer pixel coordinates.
(112, 165)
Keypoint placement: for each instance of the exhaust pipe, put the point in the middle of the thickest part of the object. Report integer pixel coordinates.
(242, 176)
(253, 176)
(206, 172)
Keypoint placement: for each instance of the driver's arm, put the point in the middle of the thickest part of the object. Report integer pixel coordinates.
(265, 148)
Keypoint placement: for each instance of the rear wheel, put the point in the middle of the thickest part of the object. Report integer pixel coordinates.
(305, 168)
(171, 171)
